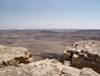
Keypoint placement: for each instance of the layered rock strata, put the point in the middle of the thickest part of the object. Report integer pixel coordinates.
(14, 55)
(83, 54)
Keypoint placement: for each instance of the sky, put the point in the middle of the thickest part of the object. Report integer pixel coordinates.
(49, 14)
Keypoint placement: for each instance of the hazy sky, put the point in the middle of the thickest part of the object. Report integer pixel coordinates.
(52, 14)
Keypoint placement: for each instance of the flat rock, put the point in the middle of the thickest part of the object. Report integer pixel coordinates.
(88, 72)
(91, 46)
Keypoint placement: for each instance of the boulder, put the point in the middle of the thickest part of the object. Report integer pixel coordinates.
(88, 72)
(66, 55)
(14, 55)
(75, 60)
(84, 54)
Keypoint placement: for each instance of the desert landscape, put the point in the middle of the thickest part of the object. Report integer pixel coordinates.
(46, 43)
(49, 37)
(50, 52)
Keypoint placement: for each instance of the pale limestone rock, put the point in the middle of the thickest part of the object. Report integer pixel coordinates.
(80, 55)
(75, 60)
(88, 72)
(70, 72)
(47, 67)
(65, 56)
(85, 54)
(14, 55)
(86, 57)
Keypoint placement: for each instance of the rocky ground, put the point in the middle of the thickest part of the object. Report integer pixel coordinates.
(25, 65)
(47, 67)
(83, 54)
(14, 55)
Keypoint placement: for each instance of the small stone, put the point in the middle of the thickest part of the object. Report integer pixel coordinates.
(80, 55)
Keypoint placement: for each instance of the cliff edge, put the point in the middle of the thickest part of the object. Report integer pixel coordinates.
(18, 61)
(83, 54)
(14, 56)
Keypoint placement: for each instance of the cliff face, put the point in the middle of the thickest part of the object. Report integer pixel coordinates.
(17, 61)
(83, 54)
